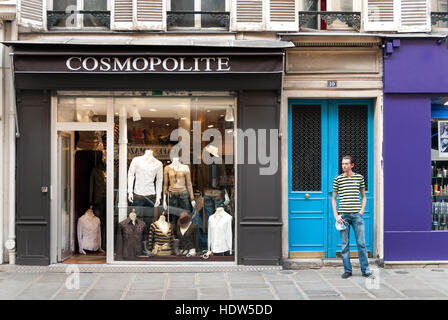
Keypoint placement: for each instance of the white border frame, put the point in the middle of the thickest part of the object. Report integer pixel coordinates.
(108, 126)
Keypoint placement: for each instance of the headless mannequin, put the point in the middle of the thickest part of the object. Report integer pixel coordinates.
(90, 215)
(163, 225)
(148, 156)
(177, 166)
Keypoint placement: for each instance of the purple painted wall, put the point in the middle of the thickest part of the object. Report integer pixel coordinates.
(420, 68)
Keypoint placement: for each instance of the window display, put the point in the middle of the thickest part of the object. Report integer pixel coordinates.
(439, 164)
(174, 165)
(172, 173)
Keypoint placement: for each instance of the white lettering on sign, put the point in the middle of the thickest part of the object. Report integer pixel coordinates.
(148, 64)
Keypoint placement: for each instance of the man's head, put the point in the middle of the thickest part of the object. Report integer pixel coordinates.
(347, 163)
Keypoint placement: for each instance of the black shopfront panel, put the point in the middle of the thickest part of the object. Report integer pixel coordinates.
(259, 196)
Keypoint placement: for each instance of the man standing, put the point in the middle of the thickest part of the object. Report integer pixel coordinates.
(351, 211)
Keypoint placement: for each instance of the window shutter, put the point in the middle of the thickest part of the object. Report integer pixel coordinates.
(122, 15)
(282, 15)
(151, 14)
(381, 15)
(248, 15)
(31, 14)
(415, 16)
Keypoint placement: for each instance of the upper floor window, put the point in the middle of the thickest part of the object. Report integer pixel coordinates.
(439, 13)
(78, 14)
(198, 14)
(335, 15)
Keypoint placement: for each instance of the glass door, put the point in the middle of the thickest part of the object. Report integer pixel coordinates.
(65, 203)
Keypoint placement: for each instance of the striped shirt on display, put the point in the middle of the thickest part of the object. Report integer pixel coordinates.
(348, 189)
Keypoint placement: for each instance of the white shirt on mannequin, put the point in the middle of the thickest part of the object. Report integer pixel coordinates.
(144, 170)
(220, 231)
(89, 232)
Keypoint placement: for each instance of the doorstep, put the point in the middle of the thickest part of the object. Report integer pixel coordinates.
(142, 268)
(300, 264)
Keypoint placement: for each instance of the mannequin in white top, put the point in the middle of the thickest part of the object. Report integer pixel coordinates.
(145, 170)
(180, 173)
(89, 232)
(220, 231)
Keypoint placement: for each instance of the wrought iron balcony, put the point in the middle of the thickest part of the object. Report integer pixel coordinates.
(90, 19)
(351, 18)
(438, 17)
(208, 19)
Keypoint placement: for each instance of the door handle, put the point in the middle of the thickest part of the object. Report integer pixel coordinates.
(307, 196)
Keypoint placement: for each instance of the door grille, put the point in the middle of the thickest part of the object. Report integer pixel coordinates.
(353, 137)
(306, 148)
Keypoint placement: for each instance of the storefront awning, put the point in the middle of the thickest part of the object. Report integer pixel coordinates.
(228, 65)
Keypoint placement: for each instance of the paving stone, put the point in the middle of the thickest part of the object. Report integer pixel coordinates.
(288, 293)
(143, 295)
(68, 296)
(282, 283)
(412, 284)
(341, 283)
(24, 277)
(53, 277)
(421, 293)
(8, 293)
(350, 290)
(213, 292)
(147, 286)
(322, 297)
(248, 285)
(100, 294)
(314, 286)
(188, 283)
(322, 292)
(39, 291)
(181, 294)
(360, 296)
(385, 293)
(211, 284)
(246, 277)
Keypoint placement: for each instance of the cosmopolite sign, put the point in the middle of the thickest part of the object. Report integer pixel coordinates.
(148, 64)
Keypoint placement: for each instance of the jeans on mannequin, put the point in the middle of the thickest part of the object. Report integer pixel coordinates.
(144, 206)
(178, 202)
(211, 202)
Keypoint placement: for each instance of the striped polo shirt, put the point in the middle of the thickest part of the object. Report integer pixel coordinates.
(348, 189)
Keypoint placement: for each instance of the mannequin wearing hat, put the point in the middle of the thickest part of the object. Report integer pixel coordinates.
(210, 183)
(178, 187)
(187, 235)
(147, 174)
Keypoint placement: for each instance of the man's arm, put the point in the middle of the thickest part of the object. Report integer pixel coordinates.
(337, 217)
(364, 201)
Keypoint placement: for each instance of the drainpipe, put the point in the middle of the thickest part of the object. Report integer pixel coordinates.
(12, 135)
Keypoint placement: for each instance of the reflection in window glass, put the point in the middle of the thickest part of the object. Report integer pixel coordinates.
(82, 109)
(93, 20)
(440, 6)
(175, 193)
(184, 20)
(208, 20)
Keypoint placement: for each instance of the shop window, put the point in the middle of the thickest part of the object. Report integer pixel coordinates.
(439, 13)
(82, 109)
(439, 163)
(198, 14)
(175, 193)
(336, 15)
(78, 14)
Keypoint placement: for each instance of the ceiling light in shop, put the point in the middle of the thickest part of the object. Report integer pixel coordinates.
(210, 126)
(153, 110)
(167, 124)
(153, 121)
(183, 118)
(208, 110)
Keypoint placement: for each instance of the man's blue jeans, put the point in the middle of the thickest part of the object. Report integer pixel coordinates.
(357, 222)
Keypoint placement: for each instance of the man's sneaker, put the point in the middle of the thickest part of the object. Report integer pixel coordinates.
(368, 274)
(346, 275)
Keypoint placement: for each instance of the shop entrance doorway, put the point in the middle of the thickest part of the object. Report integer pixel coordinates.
(81, 197)
(320, 133)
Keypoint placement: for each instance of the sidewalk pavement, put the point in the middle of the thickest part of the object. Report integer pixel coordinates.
(324, 283)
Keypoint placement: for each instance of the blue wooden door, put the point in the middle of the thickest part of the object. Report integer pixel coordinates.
(320, 133)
